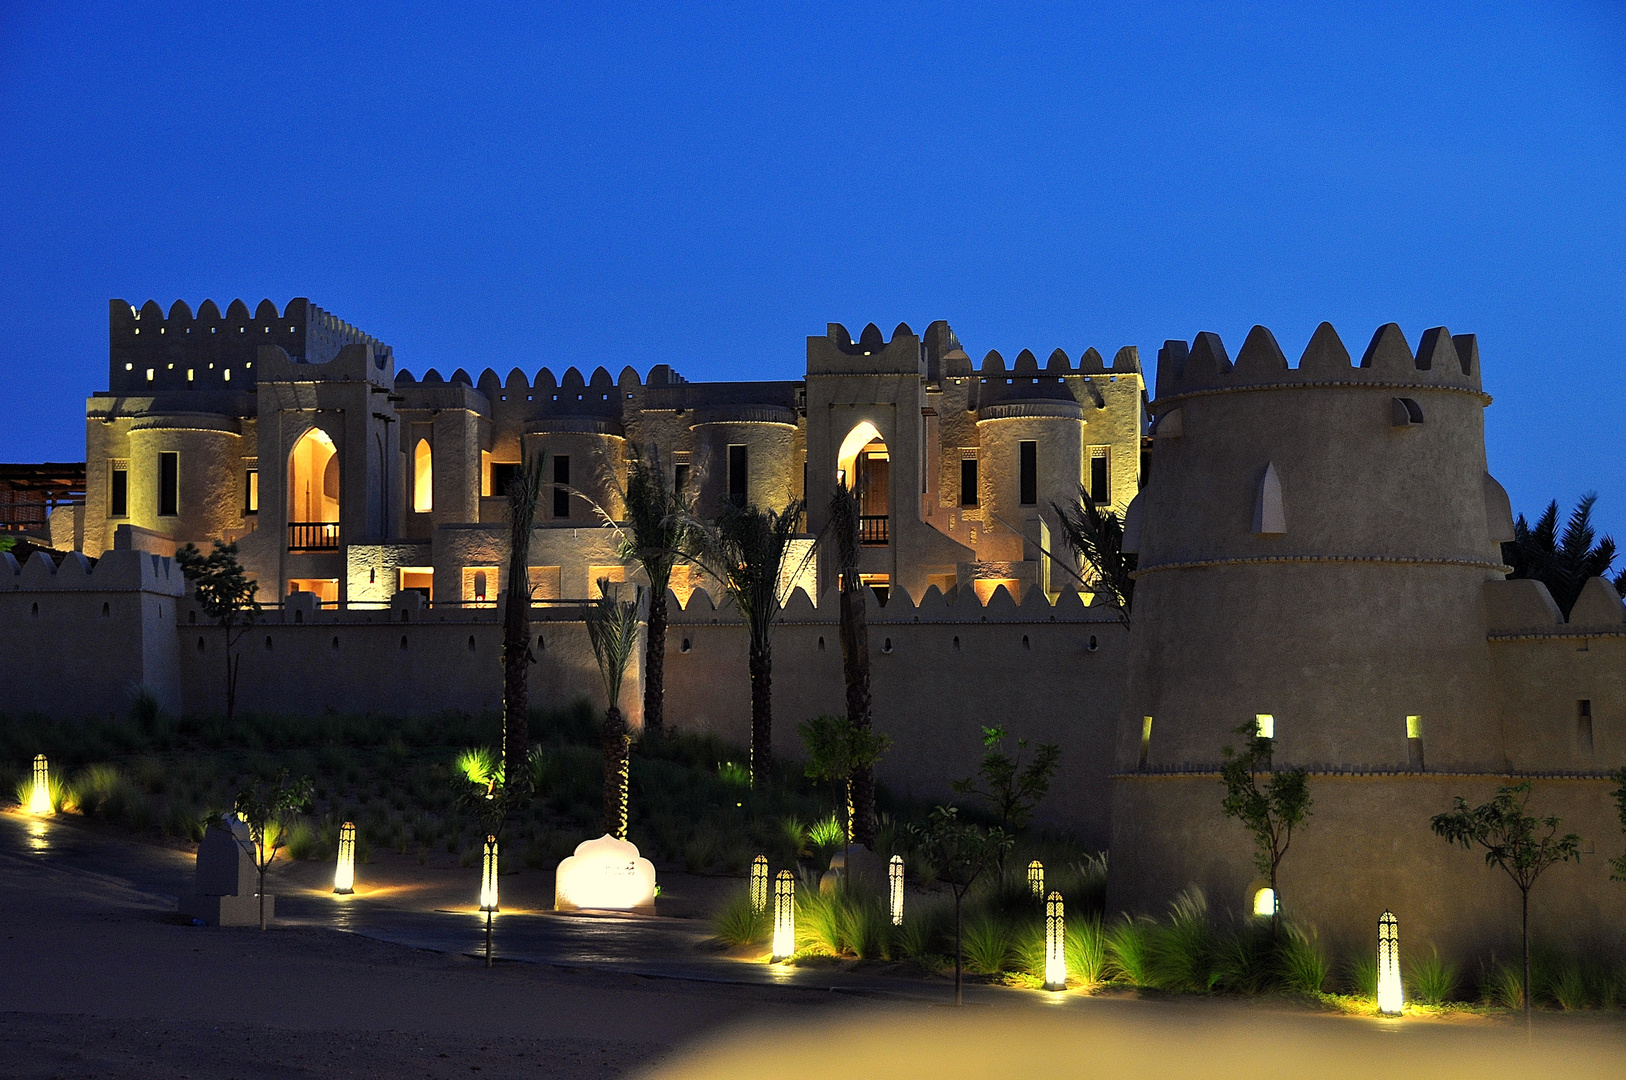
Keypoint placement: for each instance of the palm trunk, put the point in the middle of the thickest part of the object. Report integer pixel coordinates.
(616, 742)
(855, 666)
(761, 713)
(516, 661)
(655, 663)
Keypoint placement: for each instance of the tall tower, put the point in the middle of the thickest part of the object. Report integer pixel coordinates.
(1313, 546)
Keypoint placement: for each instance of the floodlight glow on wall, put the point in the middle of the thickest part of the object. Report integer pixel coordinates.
(784, 916)
(344, 876)
(759, 883)
(894, 875)
(1036, 878)
(1264, 903)
(1264, 724)
(1391, 998)
(1055, 936)
(488, 876)
(39, 800)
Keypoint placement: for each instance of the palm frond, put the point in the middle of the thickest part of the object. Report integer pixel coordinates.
(612, 628)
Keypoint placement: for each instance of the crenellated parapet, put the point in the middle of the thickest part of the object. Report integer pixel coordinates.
(961, 606)
(151, 351)
(1203, 366)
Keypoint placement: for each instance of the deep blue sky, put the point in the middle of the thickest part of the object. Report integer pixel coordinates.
(708, 187)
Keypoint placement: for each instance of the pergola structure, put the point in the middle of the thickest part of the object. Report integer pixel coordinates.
(28, 493)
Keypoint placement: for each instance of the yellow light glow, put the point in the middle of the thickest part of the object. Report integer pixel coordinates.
(1391, 998)
(39, 800)
(759, 883)
(1264, 903)
(1265, 725)
(1055, 936)
(606, 874)
(344, 877)
(784, 916)
(1036, 878)
(1414, 727)
(488, 876)
(894, 873)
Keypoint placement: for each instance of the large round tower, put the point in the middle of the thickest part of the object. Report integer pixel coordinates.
(1313, 546)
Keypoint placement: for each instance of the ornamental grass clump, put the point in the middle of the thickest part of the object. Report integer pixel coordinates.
(990, 944)
(738, 922)
(1301, 961)
(1085, 947)
(1180, 951)
(1129, 950)
(1430, 978)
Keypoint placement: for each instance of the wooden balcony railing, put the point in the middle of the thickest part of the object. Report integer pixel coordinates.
(313, 536)
(872, 530)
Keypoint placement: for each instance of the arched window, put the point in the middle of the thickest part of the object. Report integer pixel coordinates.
(313, 479)
(479, 584)
(423, 478)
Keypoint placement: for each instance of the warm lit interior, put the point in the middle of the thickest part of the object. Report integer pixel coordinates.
(326, 589)
(313, 479)
(1264, 903)
(847, 457)
(421, 578)
(480, 585)
(423, 478)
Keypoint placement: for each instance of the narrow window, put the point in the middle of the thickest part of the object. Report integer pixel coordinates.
(118, 495)
(1264, 725)
(737, 463)
(1145, 740)
(251, 491)
(1029, 452)
(423, 478)
(169, 484)
(479, 584)
(968, 482)
(1414, 743)
(1100, 475)
(1583, 722)
(502, 474)
(680, 479)
(561, 488)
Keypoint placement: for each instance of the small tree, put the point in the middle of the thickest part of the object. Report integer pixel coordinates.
(1097, 536)
(961, 852)
(1617, 867)
(1011, 789)
(612, 627)
(843, 526)
(524, 491)
(836, 750)
(226, 596)
(1508, 835)
(1270, 814)
(265, 809)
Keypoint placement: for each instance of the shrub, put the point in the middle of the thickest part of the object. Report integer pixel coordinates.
(302, 840)
(1129, 950)
(796, 835)
(63, 794)
(738, 923)
(827, 834)
(1180, 953)
(734, 774)
(1568, 985)
(1430, 978)
(97, 786)
(1085, 947)
(866, 925)
(989, 941)
(819, 919)
(1502, 984)
(1301, 961)
(921, 937)
(1361, 975)
(1242, 961)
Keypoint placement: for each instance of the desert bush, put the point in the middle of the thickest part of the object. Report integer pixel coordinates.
(925, 931)
(990, 943)
(1361, 975)
(1430, 978)
(738, 923)
(1129, 950)
(827, 834)
(1502, 983)
(1301, 961)
(1242, 960)
(1085, 947)
(1180, 951)
(302, 840)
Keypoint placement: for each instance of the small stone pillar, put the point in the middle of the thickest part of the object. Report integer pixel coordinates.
(225, 893)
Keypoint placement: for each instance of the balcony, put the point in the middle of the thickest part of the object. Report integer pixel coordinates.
(872, 530)
(313, 536)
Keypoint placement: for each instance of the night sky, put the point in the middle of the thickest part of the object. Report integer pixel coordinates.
(707, 187)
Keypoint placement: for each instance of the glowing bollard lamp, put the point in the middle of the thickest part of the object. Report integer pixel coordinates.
(759, 883)
(488, 888)
(1055, 942)
(1391, 998)
(344, 876)
(39, 800)
(894, 875)
(784, 916)
(1036, 878)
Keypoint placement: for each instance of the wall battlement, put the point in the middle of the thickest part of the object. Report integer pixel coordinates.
(115, 571)
(964, 607)
(1203, 366)
(149, 350)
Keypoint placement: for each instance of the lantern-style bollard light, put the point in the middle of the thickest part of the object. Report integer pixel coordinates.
(894, 877)
(1055, 943)
(1391, 998)
(488, 876)
(344, 876)
(1036, 879)
(759, 884)
(784, 916)
(39, 800)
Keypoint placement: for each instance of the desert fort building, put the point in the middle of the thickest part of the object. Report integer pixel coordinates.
(1319, 555)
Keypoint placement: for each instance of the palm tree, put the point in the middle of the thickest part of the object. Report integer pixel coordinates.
(657, 532)
(1097, 535)
(745, 550)
(1564, 563)
(854, 657)
(524, 490)
(612, 628)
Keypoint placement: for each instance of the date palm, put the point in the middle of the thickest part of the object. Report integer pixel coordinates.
(843, 529)
(612, 628)
(524, 491)
(1562, 561)
(657, 532)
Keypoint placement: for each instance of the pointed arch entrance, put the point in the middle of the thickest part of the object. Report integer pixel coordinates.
(313, 493)
(864, 464)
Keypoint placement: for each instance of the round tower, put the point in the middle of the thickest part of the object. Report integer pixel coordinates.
(1313, 545)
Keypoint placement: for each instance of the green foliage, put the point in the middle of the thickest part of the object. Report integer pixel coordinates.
(1097, 536)
(738, 923)
(990, 944)
(1085, 947)
(1011, 789)
(1502, 984)
(1430, 978)
(7, 543)
(480, 766)
(1301, 961)
(732, 772)
(1270, 814)
(1361, 974)
(219, 585)
(1617, 871)
(836, 749)
(612, 628)
(1508, 834)
(826, 834)
(1181, 950)
(1129, 950)
(1563, 563)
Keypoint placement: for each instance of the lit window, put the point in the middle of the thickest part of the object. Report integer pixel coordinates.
(1414, 727)
(1265, 725)
(1264, 903)
(129, 367)
(149, 374)
(228, 375)
(189, 374)
(423, 488)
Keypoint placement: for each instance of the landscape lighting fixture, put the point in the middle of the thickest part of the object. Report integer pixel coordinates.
(1036, 878)
(1391, 998)
(759, 884)
(488, 876)
(784, 916)
(344, 877)
(39, 800)
(894, 874)
(1055, 935)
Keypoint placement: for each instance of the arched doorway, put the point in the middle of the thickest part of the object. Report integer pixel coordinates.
(864, 465)
(313, 493)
